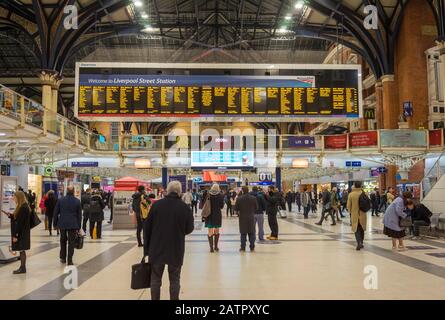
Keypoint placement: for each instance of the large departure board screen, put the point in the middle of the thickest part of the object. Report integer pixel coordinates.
(137, 92)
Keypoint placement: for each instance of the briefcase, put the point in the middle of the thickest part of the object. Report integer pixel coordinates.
(78, 241)
(141, 275)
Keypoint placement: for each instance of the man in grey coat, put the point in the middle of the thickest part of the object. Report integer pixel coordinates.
(247, 206)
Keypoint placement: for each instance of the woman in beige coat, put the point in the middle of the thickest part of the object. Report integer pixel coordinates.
(358, 217)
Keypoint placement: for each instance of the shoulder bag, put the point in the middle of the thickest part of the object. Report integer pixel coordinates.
(405, 222)
(141, 275)
(34, 220)
(206, 209)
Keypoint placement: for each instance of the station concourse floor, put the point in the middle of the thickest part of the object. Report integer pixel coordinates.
(307, 262)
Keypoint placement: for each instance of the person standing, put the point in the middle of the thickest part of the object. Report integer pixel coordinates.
(289, 200)
(327, 207)
(391, 221)
(195, 198)
(228, 200)
(50, 204)
(298, 201)
(96, 211)
(214, 221)
(247, 206)
(272, 204)
(68, 219)
(111, 206)
(358, 217)
(383, 201)
(85, 204)
(420, 216)
(187, 198)
(20, 229)
(374, 202)
(306, 202)
(169, 221)
(259, 214)
(136, 207)
(390, 195)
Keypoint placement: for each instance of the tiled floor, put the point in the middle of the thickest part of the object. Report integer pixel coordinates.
(308, 262)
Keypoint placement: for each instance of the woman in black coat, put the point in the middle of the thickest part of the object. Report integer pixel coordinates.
(20, 229)
(96, 212)
(50, 204)
(214, 221)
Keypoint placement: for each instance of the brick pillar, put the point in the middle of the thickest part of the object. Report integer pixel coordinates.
(390, 176)
(391, 109)
(417, 34)
(379, 104)
(363, 124)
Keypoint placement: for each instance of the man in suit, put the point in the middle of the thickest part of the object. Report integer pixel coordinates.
(68, 218)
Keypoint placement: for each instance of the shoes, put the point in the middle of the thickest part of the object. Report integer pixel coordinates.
(109, 222)
(318, 223)
(252, 249)
(272, 238)
(401, 248)
(216, 242)
(19, 270)
(70, 263)
(242, 250)
(62, 261)
(333, 224)
(358, 247)
(140, 245)
(210, 238)
(338, 220)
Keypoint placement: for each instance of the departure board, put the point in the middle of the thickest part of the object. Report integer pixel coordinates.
(139, 92)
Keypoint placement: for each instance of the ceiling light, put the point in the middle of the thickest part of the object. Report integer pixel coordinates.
(144, 15)
(299, 5)
(2, 134)
(282, 30)
(288, 17)
(148, 29)
(138, 3)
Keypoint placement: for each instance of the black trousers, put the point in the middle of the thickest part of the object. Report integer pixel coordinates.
(289, 206)
(417, 224)
(329, 212)
(85, 219)
(375, 209)
(306, 210)
(359, 234)
(244, 240)
(195, 207)
(229, 209)
(273, 224)
(139, 229)
(383, 204)
(98, 225)
(174, 275)
(299, 207)
(50, 221)
(67, 236)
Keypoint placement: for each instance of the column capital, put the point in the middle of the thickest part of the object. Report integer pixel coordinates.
(387, 78)
(378, 84)
(51, 78)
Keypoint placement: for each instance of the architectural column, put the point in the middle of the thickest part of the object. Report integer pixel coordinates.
(363, 124)
(50, 79)
(391, 110)
(391, 176)
(379, 104)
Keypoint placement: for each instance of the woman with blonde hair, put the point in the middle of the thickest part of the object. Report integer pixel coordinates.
(20, 229)
(214, 221)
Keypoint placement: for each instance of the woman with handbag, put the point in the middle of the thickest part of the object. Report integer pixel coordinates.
(20, 229)
(391, 221)
(214, 221)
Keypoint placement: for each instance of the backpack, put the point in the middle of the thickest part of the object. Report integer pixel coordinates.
(95, 206)
(364, 203)
(145, 208)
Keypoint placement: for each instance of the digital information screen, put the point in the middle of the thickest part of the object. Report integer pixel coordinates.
(136, 93)
(212, 159)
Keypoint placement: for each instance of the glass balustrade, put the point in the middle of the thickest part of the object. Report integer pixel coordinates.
(9, 103)
(70, 131)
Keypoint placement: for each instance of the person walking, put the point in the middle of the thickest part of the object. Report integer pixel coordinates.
(195, 198)
(343, 202)
(374, 202)
(306, 202)
(272, 204)
(97, 206)
(391, 221)
(358, 217)
(259, 214)
(298, 200)
(20, 228)
(335, 204)
(228, 201)
(247, 206)
(50, 204)
(187, 198)
(136, 207)
(326, 199)
(214, 221)
(85, 200)
(68, 219)
(169, 221)
(289, 200)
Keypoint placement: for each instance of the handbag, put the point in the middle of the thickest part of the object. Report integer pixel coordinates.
(405, 222)
(35, 221)
(141, 275)
(78, 241)
(206, 210)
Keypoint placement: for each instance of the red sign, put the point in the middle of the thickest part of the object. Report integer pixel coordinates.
(212, 176)
(363, 139)
(335, 142)
(435, 137)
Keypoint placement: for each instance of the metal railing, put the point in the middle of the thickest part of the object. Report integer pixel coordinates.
(433, 175)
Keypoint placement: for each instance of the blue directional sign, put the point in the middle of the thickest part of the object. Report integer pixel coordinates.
(354, 164)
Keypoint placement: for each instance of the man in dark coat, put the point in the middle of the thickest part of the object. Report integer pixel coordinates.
(68, 218)
(169, 221)
(247, 206)
(96, 212)
(327, 207)
(85, 204)
(272, 202)
(298, 200)
(289, 200)
(136, 206)
(259, 214)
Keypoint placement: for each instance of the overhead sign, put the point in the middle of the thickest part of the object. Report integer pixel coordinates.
(363, 139)
(353, 164)
(222, 158)
(265, 176)
(84, 164)
(335, 142)
(135, 91)
(48, 171)
(369, 113)
(408, 109)
(301, 142)
(403, 138)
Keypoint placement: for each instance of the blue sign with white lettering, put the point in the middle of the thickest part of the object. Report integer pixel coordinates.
(84, 164)
(353, 164)
(301, 142)
(382, 170)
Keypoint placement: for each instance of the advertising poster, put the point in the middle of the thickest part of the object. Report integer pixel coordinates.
(301, 142)
(335, 142)
(222, 159)
(435, 137)
(180, 178)
(404, 138)
(363, 139)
